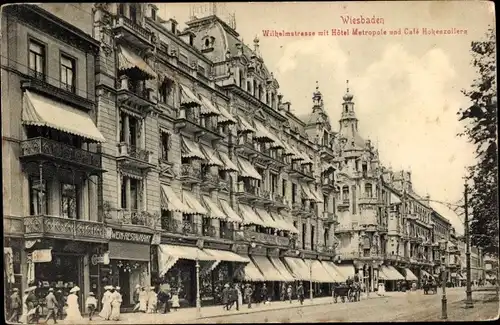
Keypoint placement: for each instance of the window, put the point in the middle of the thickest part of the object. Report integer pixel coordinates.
(130, 134)
(69, 201)
(312, 238)
(134, 194)
(37, 60)
(165, 91)
(167, 218)
(38, 197)
(249, 86)
(165, 145)
(130, 188)
(345, 193)
(326, 236)
(68, 73)
(368, 190)
(304, 232)
(153, 13)
(242, 79)
(121, 9)
(274, 183)
(325, 203)
(294, 192)
(133, 13)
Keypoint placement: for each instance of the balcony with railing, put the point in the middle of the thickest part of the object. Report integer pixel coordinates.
(344, 203)
(301, 170)
(190, 174)
(202, 126)
(135, 94)
(210, 181)
(266, 239)
(279, 200)
(299, 208)
(134, 156)
(131, 31)
(44, 226)
(138, 218)
(368, 200)
(44, 148)
(179, 227)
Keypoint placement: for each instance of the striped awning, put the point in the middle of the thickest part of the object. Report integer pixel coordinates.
(228, 164)
(129, 60)
(283, 223)
(247, 169)
(211, 156)
(299, 270)
(306, 159)
(249, 216)
(319, 273)
(227, 256)
(245, 126)
(278, 264)
(189, 149)
(297, 155)
(307, 193)
(171, 202)
(267, 269)
(347, 270)
(409, 275)
(225, 116)
(208, 108)
(388, 272)
(190, 200)
(336, 275)
(252, 273)
(230, 213)
(266, 217)
(213, 210)
(43, 111)
(288, 149)
(262, 132)
(188, 97)
(317, 197)
(395, 199)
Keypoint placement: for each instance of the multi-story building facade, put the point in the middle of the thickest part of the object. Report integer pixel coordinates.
(50, 162)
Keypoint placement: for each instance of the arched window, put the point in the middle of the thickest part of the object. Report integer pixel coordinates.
(273, 99)
(241, 78)
(368, 190)
(267, 97)
(254, 87)
(345, 193)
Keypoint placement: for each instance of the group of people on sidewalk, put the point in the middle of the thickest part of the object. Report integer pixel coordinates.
(149, 301)
(29, 309)
(111, 303)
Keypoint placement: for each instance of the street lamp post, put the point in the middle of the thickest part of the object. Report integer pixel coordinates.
(468, 290)
(444, 306)
(310, 281)
(198, 300)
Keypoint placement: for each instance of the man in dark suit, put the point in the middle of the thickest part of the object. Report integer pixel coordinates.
(300, 293)
(52, 306)
(15, 305)
(60, 303)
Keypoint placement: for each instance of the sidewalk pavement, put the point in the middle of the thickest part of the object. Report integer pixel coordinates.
(189, 314)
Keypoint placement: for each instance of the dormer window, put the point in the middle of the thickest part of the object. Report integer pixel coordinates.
(153, 13)
(121, 9)
(133, 13)
(174, 28)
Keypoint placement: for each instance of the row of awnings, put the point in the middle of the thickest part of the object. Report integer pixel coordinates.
(263, 268)
(389, 273)
(189, 204)
(256, 268)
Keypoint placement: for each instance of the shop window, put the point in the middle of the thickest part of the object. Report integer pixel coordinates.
(37, 60)
(69, 201)
(165, 145)
(38, 197)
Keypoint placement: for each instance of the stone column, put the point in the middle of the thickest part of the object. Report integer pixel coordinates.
(93, 199)
(127, 193)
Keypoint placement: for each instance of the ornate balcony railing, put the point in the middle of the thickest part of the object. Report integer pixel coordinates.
(52, 226)
(125, 149)
(209, 231)
(207, 123)
(58, 150)
(134, 27)
(247, 235)
(181, 227)
(226, 233)
(189, 171)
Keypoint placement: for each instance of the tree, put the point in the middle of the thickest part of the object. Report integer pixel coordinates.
(481, 129)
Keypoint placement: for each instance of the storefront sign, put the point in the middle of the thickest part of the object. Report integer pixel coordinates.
(42, 256)
(131, 236)
(104, 259)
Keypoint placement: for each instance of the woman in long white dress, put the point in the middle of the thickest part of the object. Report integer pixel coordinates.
(73, 311)
(152, 300)
(116, 302)
(381, 289)
(106, 303)
(24, 315)
(240, 295)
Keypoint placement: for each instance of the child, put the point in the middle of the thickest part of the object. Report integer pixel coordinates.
(175, 299)
(91, 304)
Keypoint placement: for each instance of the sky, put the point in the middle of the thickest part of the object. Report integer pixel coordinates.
(407, 88)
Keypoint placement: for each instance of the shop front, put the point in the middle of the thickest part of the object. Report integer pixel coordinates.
(390, 276)
(129, 266)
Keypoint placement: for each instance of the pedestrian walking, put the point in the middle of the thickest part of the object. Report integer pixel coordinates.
(143, 300)
(15, 306)
(175, 299)
(283, 292)
(60, 304)
(116, 302)
(73, 312)
(289, 292)
(164, 296)
(32, 303)
(91, 304)
(226, 296)
(152, 300)
(239, 301)
(24, 315)
(248, 295)
(300, 293)
(51, 304)
(106, 303)
(381, 289)
(136, 298)
(263, 294)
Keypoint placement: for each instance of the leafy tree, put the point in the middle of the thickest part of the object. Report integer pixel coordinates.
(481, 129)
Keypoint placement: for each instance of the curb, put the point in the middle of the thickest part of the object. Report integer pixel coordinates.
(272, 309)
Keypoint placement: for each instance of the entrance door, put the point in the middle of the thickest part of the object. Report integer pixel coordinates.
(124, 280)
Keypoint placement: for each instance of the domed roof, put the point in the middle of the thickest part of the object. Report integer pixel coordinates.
(348, 96)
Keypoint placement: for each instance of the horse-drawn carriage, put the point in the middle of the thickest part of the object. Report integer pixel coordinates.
(351, 292)
(430, 285)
